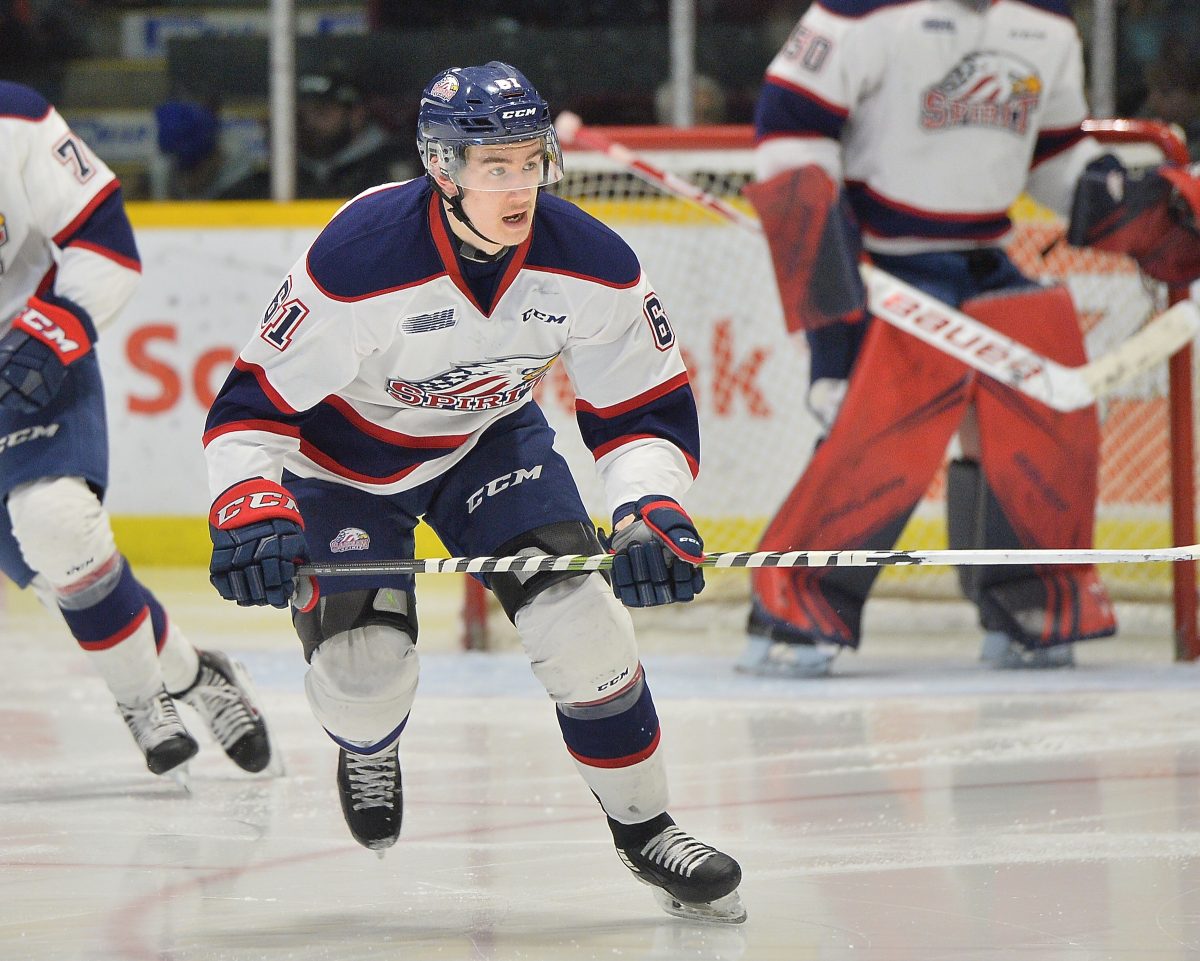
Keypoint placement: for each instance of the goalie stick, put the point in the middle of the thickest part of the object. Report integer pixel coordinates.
(938, 324)
(738, 559)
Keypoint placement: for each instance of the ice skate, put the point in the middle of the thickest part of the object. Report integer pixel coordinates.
(224, 697)
(158, 731)
(1004, 654)
(372, 796)
(773, 650)
(690, 879)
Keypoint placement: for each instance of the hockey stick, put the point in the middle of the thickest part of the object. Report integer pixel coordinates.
(938, 324)
(738, 559)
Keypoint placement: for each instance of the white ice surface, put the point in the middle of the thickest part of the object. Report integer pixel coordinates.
(916, 806)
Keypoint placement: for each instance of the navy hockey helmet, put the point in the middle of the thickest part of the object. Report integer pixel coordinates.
(495, 105)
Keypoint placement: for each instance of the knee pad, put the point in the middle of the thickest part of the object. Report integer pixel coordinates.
(361, 682)
(62, 529)
(335, 614)
(579, 640)
(515, 590)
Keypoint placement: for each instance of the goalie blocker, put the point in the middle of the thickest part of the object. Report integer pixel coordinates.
(1034, 487)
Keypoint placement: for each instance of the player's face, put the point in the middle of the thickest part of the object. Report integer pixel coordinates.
(500, 188)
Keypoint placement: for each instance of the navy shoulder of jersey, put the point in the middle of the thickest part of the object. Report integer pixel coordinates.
(852, 9)
(17, 100)
(569, 240)
(377, 243)
(1060, 8)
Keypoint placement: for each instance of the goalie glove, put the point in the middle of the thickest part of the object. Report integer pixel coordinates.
(44, 340)
(655, 556)
(258, 540)
(1150, 215)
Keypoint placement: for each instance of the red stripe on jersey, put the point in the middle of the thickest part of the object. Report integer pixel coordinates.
(612, 445)
(264, 384)
(361, 424)
(792, 87)
(127, 262)
(322, 459)
(107, 191)
(237, 426)
(113, 640)
(587, 277)
(641, 400)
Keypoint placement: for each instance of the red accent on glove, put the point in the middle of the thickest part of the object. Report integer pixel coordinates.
(253, 500)
(645, 508)
(56, 327)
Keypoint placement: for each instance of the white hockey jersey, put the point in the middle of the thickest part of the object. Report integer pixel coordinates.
(931, 113)
(63, 230)
(376, 366)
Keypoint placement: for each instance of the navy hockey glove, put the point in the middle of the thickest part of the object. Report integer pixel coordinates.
(654, 557)
(258, 540)
(44, 340)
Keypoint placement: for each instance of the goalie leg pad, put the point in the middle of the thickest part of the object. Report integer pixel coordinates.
(1037, 485)
(904, 402)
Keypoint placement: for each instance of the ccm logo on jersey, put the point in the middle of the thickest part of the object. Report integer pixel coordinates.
(27, 433)
(502, 483)
(664, 336)
(534, 314)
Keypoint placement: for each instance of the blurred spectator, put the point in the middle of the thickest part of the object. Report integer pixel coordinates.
(340, 148)
(38, 39)
(708, 102)
(1173, 91)
(189, 134)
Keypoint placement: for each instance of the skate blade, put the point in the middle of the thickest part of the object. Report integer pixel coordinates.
(726, 910)
(760, 659)
(181, 776)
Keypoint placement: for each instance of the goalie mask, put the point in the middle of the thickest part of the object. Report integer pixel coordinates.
(493, 105)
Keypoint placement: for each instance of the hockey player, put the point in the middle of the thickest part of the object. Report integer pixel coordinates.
(915, 126)
(391, 378)
(68, 263)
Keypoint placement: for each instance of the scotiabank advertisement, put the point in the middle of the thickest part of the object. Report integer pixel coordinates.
(204, 290)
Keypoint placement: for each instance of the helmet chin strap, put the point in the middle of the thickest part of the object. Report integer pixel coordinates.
(456, 208)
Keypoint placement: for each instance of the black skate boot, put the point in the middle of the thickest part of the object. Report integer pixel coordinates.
(155, 725)
(372, 796)
(690, 879)
(224, 697)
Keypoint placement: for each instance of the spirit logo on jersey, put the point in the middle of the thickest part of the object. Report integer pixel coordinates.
(350, 539)
(283, 316)
(483, 386)
(985, 89)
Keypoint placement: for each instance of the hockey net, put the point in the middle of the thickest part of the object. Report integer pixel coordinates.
(750, 378)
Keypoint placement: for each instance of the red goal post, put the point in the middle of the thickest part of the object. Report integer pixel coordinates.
(750, 378)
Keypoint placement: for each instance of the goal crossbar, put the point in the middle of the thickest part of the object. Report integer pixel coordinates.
(531, 563)
(1058, 386)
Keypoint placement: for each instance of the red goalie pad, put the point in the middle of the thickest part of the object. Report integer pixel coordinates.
(814, 248)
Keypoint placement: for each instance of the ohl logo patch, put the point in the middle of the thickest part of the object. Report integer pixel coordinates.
(985, 89)
(483, 386)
